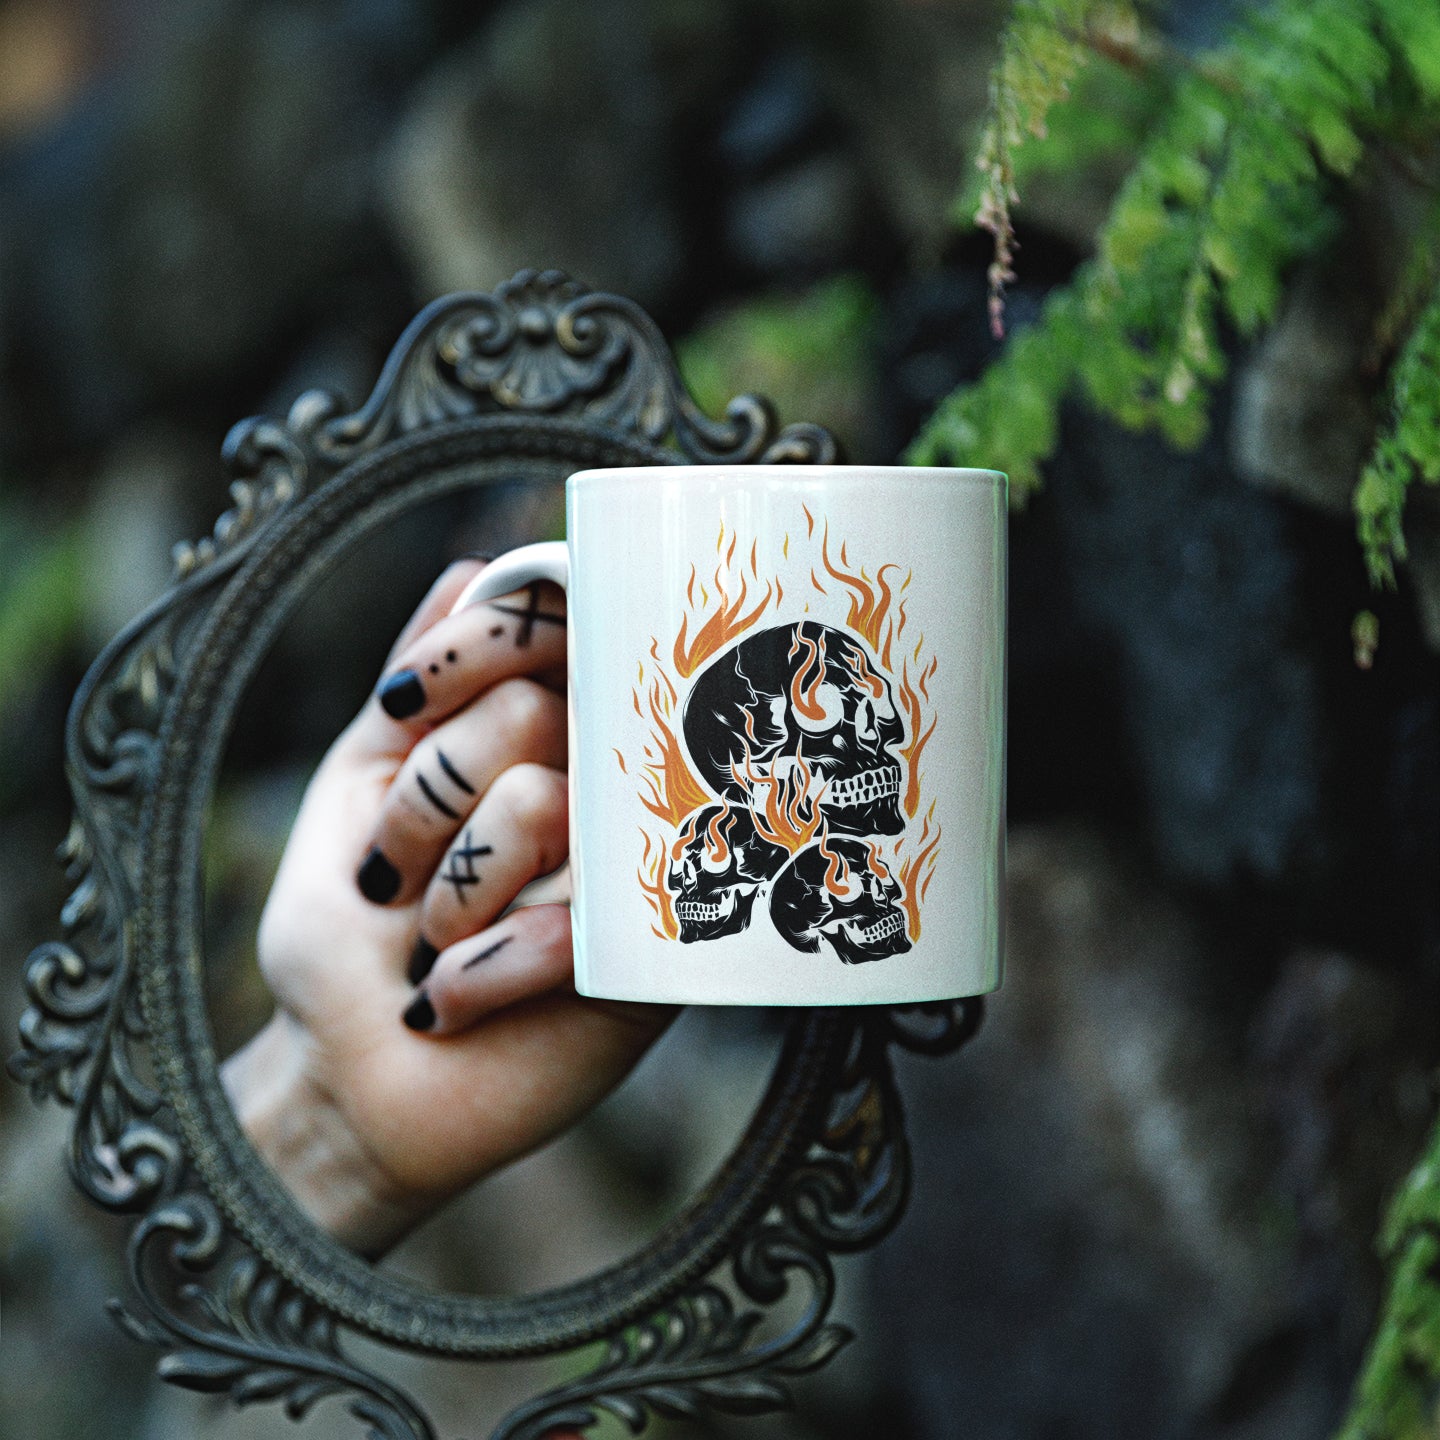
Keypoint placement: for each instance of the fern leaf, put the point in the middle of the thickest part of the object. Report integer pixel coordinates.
(1406, 450)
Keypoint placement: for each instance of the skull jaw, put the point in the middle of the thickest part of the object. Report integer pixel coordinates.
(875, 817)
(851, 944)
(733, 918)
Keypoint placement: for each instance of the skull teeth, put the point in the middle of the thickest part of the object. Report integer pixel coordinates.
(699, 910)
(881, 929)
(866, 787)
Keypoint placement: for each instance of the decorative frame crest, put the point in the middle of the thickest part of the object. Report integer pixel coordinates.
(242, 1294)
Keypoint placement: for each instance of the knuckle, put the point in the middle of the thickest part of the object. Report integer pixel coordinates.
(532, 796)
(407, 813)
(547, 928)
(526, 710)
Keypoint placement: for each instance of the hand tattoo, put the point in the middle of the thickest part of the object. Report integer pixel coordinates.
(530, 615)
(461, 872)
(454, 776)
(494, 949)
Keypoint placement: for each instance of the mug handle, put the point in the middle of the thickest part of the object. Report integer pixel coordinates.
(547, 560)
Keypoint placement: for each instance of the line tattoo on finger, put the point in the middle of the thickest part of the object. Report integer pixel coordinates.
(455, 778)
(494, 949)
(453, 773)
(428, 792)
(460, 871)
(530, 615)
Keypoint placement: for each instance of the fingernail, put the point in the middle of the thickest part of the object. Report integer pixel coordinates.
(402, 694)
(422, 960)
(477, 555)
(420, 1014)
(378, 879)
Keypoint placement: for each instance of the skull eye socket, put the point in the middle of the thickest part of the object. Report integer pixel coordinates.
(865, 720)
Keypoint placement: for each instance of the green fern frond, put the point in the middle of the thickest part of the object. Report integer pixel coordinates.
(1234, 186)
(1408, 449)
(1396, 1395)
(1045, 46)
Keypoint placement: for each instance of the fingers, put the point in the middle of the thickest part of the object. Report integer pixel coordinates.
(443, 777)
(457, 656)
(437, 603)
(526, 954)
(517, 833)
(441, 661)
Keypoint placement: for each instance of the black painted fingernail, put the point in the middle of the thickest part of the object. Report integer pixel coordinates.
(422, 960)
(420, 1014)
(402, 694)
(378, 879)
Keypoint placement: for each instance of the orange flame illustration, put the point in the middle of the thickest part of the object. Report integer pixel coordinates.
(801, 694)
(715, 833)
(674, 790)
(686, 835)
(863, 673)
(651, 875)
(911, 751)
(729, 618)
(916, 872)
(869, 599)
(838, 880)
(895, 628)
(780, 802)
(789, 815)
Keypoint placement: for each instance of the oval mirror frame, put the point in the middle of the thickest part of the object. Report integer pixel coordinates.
(240, 1291)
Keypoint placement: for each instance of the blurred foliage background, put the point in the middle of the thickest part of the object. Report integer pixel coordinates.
(1148, 1197)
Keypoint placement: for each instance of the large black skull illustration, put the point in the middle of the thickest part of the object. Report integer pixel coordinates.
(718, 864)
(801, 705)
(840, 891)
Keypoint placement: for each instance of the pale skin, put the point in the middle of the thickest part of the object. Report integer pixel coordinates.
(375, 1099)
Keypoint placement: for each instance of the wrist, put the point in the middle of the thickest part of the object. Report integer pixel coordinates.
(300, 1132)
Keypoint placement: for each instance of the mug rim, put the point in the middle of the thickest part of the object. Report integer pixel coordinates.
(946, 474)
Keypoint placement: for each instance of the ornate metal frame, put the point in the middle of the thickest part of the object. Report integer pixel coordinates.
(245, 1296)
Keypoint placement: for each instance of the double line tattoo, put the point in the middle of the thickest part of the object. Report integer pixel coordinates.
(456, 778)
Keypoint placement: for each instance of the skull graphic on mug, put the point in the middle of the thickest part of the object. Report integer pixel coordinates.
(799, 764)
(801, 694)
(794, 727)
(790, 680)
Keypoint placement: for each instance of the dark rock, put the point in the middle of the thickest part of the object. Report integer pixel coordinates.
(1193, 633)
(779, 117)
(545, 143)
(804, 220)
(1103, 1239)
(1303, 419)
(190, 216)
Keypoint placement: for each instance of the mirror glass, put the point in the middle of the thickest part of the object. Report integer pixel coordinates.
(602, 1189)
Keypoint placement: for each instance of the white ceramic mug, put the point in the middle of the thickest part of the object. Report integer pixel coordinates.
(787, 730)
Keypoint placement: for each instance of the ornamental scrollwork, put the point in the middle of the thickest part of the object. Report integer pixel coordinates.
(240, 1331)
(242, 1303)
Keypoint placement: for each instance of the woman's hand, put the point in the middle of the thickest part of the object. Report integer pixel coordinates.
(425, 1032)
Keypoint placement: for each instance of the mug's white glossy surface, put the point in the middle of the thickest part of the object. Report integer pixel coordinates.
(787, 732)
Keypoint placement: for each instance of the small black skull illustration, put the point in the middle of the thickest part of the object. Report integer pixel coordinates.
(718, 864)
(803, 700)
(839, 890)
